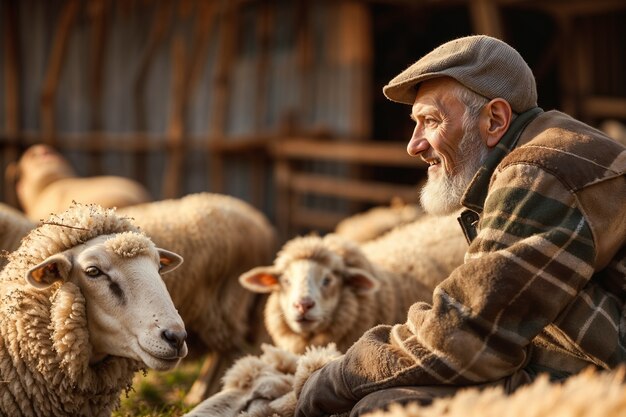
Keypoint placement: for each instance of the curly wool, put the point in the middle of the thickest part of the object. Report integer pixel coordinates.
(219, 237)
(44, 343)
(265, 385)
(356, 312)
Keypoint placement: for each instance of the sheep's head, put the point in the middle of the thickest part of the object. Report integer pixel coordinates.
(129, 311)
(38, 166)
(309, 275)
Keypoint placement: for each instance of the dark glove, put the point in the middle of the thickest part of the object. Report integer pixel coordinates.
(325, 393)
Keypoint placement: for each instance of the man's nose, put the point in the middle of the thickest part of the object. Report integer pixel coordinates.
(416, 146)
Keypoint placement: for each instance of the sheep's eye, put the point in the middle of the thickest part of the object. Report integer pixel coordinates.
(326, 281)
(284, 280)
(93, 271)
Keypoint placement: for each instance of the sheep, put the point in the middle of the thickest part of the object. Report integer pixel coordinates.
(46, 183)
(377, 221)
(220, 237)
(83, 309)
(588, 394)
(265, 385)
(324, 289)
(13, 227)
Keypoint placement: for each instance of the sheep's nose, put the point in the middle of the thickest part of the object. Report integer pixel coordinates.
(304, 305)
(176, 339)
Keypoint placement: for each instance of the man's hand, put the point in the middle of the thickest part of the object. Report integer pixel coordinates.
(325, 393)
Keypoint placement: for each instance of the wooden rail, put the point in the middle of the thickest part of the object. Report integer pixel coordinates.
(293, 184)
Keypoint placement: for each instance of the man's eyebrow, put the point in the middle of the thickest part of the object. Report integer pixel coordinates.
(412, 117)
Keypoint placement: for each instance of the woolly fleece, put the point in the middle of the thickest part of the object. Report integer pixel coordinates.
(43, 335)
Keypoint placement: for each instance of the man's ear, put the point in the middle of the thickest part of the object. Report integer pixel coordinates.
(495, 121)
(55, 268)
(168, 261)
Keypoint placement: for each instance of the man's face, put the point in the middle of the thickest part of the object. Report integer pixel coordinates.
(449, 143)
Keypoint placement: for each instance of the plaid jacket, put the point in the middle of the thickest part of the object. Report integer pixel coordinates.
(544, 280)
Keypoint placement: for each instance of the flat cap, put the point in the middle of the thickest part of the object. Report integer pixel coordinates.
(485, 65)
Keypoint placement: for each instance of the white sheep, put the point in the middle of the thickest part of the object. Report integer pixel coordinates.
(13, 227)
(83, 308)
(375, 222)
(324, 289)
(219, 237)
(46, 183)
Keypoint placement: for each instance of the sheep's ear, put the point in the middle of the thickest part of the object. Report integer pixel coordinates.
(261, 279)
(361, 280)
(55, 268)
(168, 261)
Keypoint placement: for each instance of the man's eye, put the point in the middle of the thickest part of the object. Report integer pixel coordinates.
(93, 271)
(430, 122)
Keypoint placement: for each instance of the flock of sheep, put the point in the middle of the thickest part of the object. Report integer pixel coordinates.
(92, 294)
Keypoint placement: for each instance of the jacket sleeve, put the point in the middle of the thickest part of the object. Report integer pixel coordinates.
(533, 254)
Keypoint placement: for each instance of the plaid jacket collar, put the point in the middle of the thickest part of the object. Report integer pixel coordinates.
(476, 193)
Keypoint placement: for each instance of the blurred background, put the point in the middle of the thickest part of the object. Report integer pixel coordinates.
(278, 103)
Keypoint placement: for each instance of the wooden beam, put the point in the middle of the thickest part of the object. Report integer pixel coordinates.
(57, 57)
(98, 17)
(11, 96)
(604, 107)
(486, 18)
(228, 34)
(365, 191)
(159, 29)
(373, 153)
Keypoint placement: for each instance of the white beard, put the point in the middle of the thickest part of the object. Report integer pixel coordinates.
(442, 194)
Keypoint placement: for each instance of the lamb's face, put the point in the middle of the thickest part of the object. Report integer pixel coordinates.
(309, 295)
(129, 311)
(309, 291)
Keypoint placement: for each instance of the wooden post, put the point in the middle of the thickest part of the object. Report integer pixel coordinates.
(175, 131)
(486, 18)
(258, 161)
(228, 34)
(161, 23)
(55, 65)
(11, 97)
(97, 14)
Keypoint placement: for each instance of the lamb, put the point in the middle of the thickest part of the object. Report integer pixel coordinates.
(324, 289)
(46, 183)
(220, 237)
(13, 227)
(83, 308)
(377, 221)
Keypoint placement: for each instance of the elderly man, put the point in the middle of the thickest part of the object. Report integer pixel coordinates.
(542, 289)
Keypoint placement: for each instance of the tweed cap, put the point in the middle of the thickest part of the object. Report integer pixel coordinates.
(485, 65)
